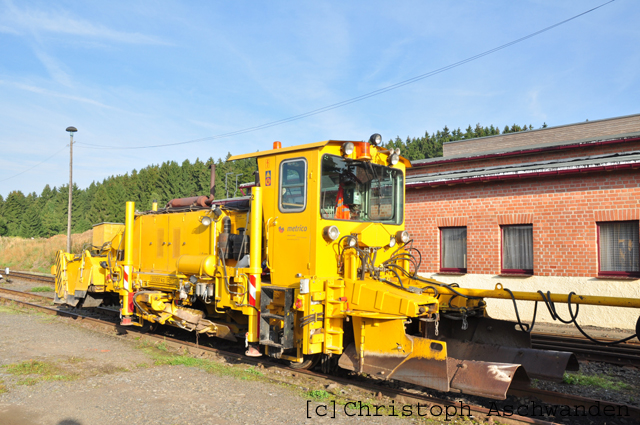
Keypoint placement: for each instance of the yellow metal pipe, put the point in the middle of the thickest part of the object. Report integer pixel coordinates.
(255, 260)
(501, 293)
(256, 230)
(154, 205)
(127, 290)
(128, 233)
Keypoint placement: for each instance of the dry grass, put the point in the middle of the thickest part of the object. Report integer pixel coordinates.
(38, 255)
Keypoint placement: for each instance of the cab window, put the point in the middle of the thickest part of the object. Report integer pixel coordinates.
(293, 185)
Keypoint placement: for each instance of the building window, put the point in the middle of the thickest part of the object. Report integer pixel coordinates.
(618, 248)
(517, 249)
(293, 185)
(453, 249)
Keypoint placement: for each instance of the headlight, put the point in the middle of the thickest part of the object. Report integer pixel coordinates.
(347, 148)
(375, 139)
(402, 236)
(392, 242)
(397, 151)
(206, 220)
(394, 158)
(350, 242)
(330, 233)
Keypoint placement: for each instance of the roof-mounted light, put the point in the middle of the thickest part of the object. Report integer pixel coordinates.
(393, 159)
(375, 139)
(347, 148)
(362, 151)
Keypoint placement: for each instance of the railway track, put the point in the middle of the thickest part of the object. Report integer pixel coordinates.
(627, 354)
(31, 276)
(96, 321)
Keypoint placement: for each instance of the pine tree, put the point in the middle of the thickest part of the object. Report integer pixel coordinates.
(170, 180)
(3, 226)
(53, 222)
(99, 206)
(31, 226)
(13, 210)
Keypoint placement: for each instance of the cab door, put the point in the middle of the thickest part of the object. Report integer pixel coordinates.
(291, 234)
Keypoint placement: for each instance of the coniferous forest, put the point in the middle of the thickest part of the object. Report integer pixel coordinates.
(45, 214)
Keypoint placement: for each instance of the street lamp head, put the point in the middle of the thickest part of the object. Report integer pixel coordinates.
(71, 129)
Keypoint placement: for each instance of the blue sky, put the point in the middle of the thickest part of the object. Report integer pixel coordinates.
(144, 73)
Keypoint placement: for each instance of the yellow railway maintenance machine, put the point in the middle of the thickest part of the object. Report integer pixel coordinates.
(314, 265)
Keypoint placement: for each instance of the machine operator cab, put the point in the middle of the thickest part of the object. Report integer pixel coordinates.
(314, 193)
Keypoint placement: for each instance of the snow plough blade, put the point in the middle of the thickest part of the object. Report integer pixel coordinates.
(448, 364)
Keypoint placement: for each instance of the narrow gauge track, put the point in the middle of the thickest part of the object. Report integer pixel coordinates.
(407, 397)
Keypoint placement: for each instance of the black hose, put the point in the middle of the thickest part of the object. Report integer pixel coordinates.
(523, 326)
(555, 316)
(575, 322)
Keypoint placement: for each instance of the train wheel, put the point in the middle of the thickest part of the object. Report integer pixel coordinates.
(308, 363)
(149, 327)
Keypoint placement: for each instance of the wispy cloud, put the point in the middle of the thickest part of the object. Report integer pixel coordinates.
(8, 30)
(53, 67)
(45, 92)
(20, 21)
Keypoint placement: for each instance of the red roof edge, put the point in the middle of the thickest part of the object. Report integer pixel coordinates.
(486, 179)
(527, 151)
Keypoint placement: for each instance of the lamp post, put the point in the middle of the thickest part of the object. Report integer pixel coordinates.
(234, 192)
(226, 188)
(71, 130)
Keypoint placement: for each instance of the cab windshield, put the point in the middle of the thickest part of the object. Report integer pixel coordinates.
(360, 191)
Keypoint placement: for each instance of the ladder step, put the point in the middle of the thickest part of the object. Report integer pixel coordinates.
(271, 344)
(335, 331)
(271, 316)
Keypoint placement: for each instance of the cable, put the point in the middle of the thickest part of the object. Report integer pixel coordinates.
(575, 322)
(38, 164)
(554, 315)
(523, 326)
(361, 97)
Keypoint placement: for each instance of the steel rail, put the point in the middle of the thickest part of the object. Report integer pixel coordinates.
(404, 396)
(626, 354)
(30, 276)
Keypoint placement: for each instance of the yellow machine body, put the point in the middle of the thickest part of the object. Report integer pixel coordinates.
(314, 263)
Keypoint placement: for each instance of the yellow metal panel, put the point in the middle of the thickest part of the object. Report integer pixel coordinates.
(104, 232)
(279, 151)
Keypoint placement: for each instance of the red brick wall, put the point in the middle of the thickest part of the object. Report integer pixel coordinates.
(563, 212)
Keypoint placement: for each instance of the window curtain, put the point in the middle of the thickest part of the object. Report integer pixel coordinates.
(619, 247)
(517, 247)
(454, 248)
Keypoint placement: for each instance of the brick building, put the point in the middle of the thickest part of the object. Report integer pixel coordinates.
(555, 209)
